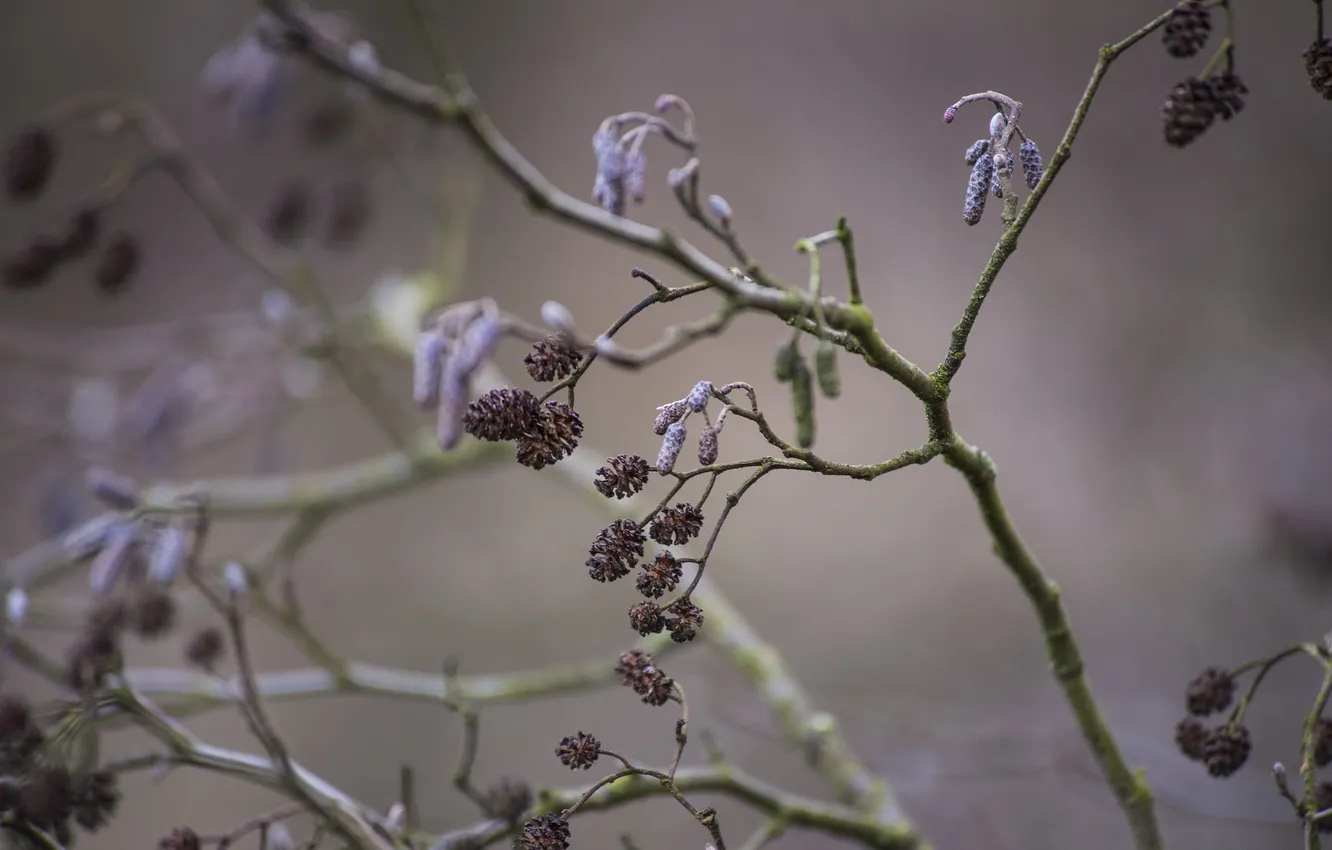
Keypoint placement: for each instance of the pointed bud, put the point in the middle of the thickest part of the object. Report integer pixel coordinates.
(721, 209)
(997, 124)
(825, 367)
(557, 316)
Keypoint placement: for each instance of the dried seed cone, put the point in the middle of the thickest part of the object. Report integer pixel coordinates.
(28, 162)
(205, 649)
(1191, 738)
(545, 832)
(1210, 692)
(289, 212)
(1228, 92)
(678, 525)
(625, 476)
(552, 359)
(1187, 29)
(1188, 111)
(1226, 750)
(825, 367)
(578, 751)
(647, 618)
(508, 799)
(1318, 66)
(802, 404)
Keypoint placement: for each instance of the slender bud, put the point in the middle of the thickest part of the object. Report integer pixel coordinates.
(802, 404)
(997, 124)
(168, 554)
(825, 367)
(784, 364)
(670, 447)
(363, 58)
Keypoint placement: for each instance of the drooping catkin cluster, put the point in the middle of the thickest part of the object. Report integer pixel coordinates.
(670, 426)
(40, 788)
(621, 164)
(993, 164)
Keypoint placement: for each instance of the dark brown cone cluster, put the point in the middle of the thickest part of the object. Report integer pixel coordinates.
(41, 792)
(677, 526)
(28, 162)
(660, 576)
(508, 800)
(1211, 691)
(150, 611)
(1194, 105)
(1318, 65)
(1226, 750)
(638, 672)
(685, 620)
(1187, 29)
(543, 434)
(578, 751)
(624, 476)
(615, 551)
(551, 359)
(545, 832)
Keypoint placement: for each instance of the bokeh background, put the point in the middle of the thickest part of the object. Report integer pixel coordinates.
(1151, 375)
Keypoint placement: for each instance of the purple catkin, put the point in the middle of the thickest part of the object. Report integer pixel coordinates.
(670, 447)
(698, 396)
(669, 415)
(112, 489)
(452, 403)
(977, 148)
(635, 175)
(478, 343)
(978, 187)
(608, 188)
(707, 446)
(1032, 167)
(168, 554)
(107, 566)
(428, 362)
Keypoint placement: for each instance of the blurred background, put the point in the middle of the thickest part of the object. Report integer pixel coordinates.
(1151, 376)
